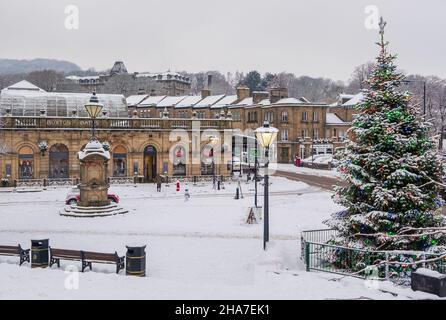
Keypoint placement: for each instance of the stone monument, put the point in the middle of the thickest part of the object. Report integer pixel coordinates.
(94, 184)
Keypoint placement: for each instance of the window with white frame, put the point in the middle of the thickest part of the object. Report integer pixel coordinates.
(284, 135)
(269, 116)
(304, 116)
(315, 134)
(315, 116)
(284, 116)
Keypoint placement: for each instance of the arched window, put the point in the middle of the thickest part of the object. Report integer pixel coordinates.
(119, 162)
(58, 162)
(179, 161)
(26, 163)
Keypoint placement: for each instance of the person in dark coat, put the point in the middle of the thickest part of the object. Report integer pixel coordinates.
(158, 181)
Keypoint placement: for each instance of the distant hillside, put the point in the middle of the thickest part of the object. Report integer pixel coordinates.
(13, 66)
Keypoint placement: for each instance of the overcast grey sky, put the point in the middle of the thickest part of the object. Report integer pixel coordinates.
(317, 38)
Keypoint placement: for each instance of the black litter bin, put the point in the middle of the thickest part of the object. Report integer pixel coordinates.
(135, 264)
(39, 253)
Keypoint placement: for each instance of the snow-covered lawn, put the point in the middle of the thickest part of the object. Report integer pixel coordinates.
(196, 249)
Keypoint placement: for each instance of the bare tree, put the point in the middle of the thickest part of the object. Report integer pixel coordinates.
(358, 77)
(45, 79)
(441, 111)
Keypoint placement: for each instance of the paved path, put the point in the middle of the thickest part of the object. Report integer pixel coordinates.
(318, 181)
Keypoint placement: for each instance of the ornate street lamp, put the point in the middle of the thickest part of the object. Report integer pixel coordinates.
(266, 136)
(93, 108)
(214, 143)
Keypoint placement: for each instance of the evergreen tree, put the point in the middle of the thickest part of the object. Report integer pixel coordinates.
(392, 170)
(253, 80)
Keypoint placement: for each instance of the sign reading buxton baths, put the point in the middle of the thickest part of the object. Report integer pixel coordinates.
(58, 123)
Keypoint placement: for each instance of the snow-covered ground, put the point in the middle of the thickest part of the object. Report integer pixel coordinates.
(196, 249)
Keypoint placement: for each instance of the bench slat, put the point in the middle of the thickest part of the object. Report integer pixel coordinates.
(9, 253)
(66, 254)
(100, 257)
(9, 249)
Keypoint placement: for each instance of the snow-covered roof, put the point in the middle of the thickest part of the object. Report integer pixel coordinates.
(23, 86)
(228, 100)
(245, 102)
(77, 78)
(151, 101)
(134, 100)
(354, 101)
(188, 102)
(332, 118)
(289, 101)
(163, 76)
(26, 99)
(209, 101)
(265, 102)
(170, 101)
(346, 96)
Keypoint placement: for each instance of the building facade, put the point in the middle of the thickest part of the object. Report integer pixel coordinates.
(148, 135)
(41, 134)
(119, 80)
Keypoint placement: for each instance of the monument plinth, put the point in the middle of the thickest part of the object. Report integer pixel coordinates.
(94, 180)
(94, 185)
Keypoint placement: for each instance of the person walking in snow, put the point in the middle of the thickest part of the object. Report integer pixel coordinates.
(186, 194)
(158, 181)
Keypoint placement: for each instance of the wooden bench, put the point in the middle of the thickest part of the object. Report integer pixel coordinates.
(62, 254)
(97, 257)
(15, 251)
(86, 257)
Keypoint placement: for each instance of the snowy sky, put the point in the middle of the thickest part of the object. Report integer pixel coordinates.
(317, 38)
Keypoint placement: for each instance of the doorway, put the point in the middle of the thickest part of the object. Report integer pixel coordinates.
(150, 163)
(58, 162)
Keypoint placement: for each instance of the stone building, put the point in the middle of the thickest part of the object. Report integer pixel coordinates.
(41, 132)
(304, 127)
(119, 80)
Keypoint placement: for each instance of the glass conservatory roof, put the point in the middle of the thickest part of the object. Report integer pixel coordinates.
(26, 99)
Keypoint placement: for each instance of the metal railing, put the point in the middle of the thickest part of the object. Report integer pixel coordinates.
(196, 179)
(320, 253)
(32, 122)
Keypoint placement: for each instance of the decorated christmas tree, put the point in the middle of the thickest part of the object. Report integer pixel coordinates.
(392, 171)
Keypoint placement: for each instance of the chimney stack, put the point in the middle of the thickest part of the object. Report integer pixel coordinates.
(278, 93)
(258, 96)
(242, 92)
(209, 83)
(205, 93)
